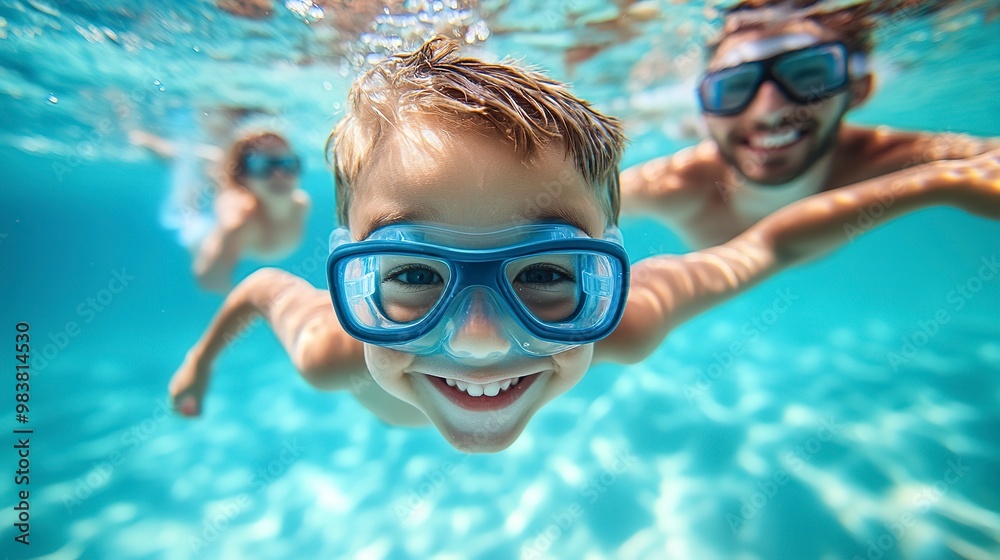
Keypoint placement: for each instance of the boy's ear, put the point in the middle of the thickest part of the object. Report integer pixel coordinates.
(861, 89)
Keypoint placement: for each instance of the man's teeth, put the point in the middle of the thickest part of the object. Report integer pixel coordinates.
(775, 139)
(490, 389)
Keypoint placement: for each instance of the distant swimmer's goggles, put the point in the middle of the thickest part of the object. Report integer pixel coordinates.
(546, 288)
(803, 75)
(260, 166)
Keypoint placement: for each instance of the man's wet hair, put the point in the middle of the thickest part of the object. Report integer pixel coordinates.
(855, 23)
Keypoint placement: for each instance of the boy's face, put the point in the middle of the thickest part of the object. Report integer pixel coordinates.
(272, 176)
(774, 140)
(472, 179)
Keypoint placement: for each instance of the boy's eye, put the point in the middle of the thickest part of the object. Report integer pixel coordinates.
(414, 275)
(542, 274)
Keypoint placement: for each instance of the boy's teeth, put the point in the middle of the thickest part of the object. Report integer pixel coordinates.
(774, 140)
(491, 389)
(474, 390)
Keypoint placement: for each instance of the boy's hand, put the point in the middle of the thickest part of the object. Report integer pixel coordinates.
(973, 184)
(234, 210)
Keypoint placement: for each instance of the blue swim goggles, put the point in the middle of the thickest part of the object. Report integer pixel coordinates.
(260, 166)
(810, 74)
(549, 287)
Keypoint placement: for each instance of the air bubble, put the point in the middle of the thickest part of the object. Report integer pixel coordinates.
(305, 10)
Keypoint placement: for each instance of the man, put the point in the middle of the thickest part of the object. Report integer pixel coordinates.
(778, 85)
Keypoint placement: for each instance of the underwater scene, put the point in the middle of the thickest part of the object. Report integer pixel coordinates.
(845, 408)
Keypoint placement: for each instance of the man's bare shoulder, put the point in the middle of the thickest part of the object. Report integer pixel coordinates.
(685, 172)
(887, 149)
(864, 153)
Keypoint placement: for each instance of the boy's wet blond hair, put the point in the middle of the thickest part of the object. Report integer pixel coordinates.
(526, 108)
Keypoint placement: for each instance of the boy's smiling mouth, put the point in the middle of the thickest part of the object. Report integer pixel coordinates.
(491, 389)
(494, 395)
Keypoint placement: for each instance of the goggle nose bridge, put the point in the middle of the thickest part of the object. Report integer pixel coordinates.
(465, 298)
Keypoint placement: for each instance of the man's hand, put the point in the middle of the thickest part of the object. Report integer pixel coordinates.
(973, 184)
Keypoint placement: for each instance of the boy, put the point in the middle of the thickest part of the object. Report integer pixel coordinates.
(779, 83)
(259, 209)
(479, 261)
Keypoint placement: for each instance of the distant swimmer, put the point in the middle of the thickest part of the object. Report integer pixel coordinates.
(780, 79)
(260, 209)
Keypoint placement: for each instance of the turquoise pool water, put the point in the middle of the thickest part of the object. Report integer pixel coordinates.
(861, 421)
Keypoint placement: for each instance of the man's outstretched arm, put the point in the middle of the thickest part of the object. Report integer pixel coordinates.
(668, 290)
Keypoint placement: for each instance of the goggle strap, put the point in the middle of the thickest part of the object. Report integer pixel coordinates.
(858, 65)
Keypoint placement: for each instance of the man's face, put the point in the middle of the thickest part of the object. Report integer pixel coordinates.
(472, 179)
(774, 140)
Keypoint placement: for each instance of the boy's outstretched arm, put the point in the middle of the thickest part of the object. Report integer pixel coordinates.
(302, 318)
(220, 251)
(217, 256)
(668, 290)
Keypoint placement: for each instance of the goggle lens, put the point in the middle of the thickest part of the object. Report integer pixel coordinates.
(261, 166)
(813, 73)
(558, 289)
(804, 75)
(730, 90)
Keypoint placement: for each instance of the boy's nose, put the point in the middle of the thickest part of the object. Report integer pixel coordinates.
(478, 332)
